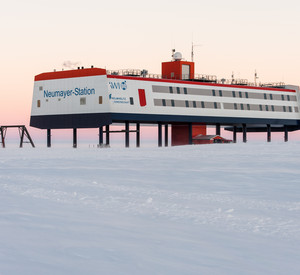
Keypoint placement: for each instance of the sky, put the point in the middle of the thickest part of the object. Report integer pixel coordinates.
(231, 36)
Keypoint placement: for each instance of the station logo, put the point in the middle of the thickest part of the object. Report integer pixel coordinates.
(118, 85)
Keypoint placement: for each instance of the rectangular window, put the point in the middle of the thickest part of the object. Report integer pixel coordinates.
(38, 103)
(260, 107)
(235, 106)
(142, 97)
(247, 96)
(194, 104)
(41, 88)
(215, 105)
(171, 90)
(187, 103)
(265, 96)
(185, 91)
(172, 102)
(242, 106)
(248, 107)
(202, 104)
(240, 94)
(178, 90)
(267, 108)
(288, 97)
(271, 96)
(220, 92)
(284, 109)
(213, 92)
(282, 97)
(272, 107)
(131, 100)
(100, 100)
(290, 109)
(83, 101)
(233, 93)
(163, 102)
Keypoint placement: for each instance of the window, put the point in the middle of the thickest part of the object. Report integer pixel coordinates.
(213, 92)
(131, 100)
(83, 101)
(100, 100)
(202, 104)
(288, 97)
(233, 93)
(187, 103)
(260, 107)
(284, 109)
(172, 102)
(271, 96)
(163, 102)
(41, 88)
(194, 104)
(215, 105)
(235, 106)
(178, 90)
(171, 90)
(265, 96)
(272, 107)
(240, 94)
(247, 96)
(38, 103)
(220, 92)
(185, 91)
(248, 107)
(282, 97)
(267, 108)
(290, 109)
(242, 106)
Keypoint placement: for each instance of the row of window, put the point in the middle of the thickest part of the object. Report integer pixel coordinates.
(82, 101)
(222, 93)
(227, 106)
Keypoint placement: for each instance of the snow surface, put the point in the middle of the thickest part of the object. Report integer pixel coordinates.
(206, 209)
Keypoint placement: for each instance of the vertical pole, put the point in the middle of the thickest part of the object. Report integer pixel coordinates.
(107, 134)
(159, 134)
(268, 133)
(22, 137)
(74, 137)
(28, 136)
(244, 133)
(190, 133)
(286, 133)
(2, 137)
(48, 138)
(234, 134)
(126, 134)
(218, 129)
(138, 135)
(166, 136)
(100, 136)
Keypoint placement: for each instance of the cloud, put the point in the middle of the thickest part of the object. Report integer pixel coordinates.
(70, 64)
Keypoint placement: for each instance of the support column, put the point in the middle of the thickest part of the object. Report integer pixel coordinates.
(268, 132)
(159, 135)
(100, 136)
(218, 129)
(244, 133)
(48, 138)
(74, 138)
(21, 137)
(190, 133)
(166, 136)
(2, 137)
(286, 133)
(138, 135)
(107, 134)
(234, 134)
(126, 134)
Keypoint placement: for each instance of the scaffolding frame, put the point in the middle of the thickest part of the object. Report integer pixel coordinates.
(23, 133)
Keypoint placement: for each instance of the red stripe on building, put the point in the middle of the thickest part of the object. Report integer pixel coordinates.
(142, 97)
(70, 74)
(172, 81)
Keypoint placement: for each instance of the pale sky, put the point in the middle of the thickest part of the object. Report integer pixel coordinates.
(234, 36)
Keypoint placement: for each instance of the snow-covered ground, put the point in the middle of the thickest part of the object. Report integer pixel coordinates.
(210, 209)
